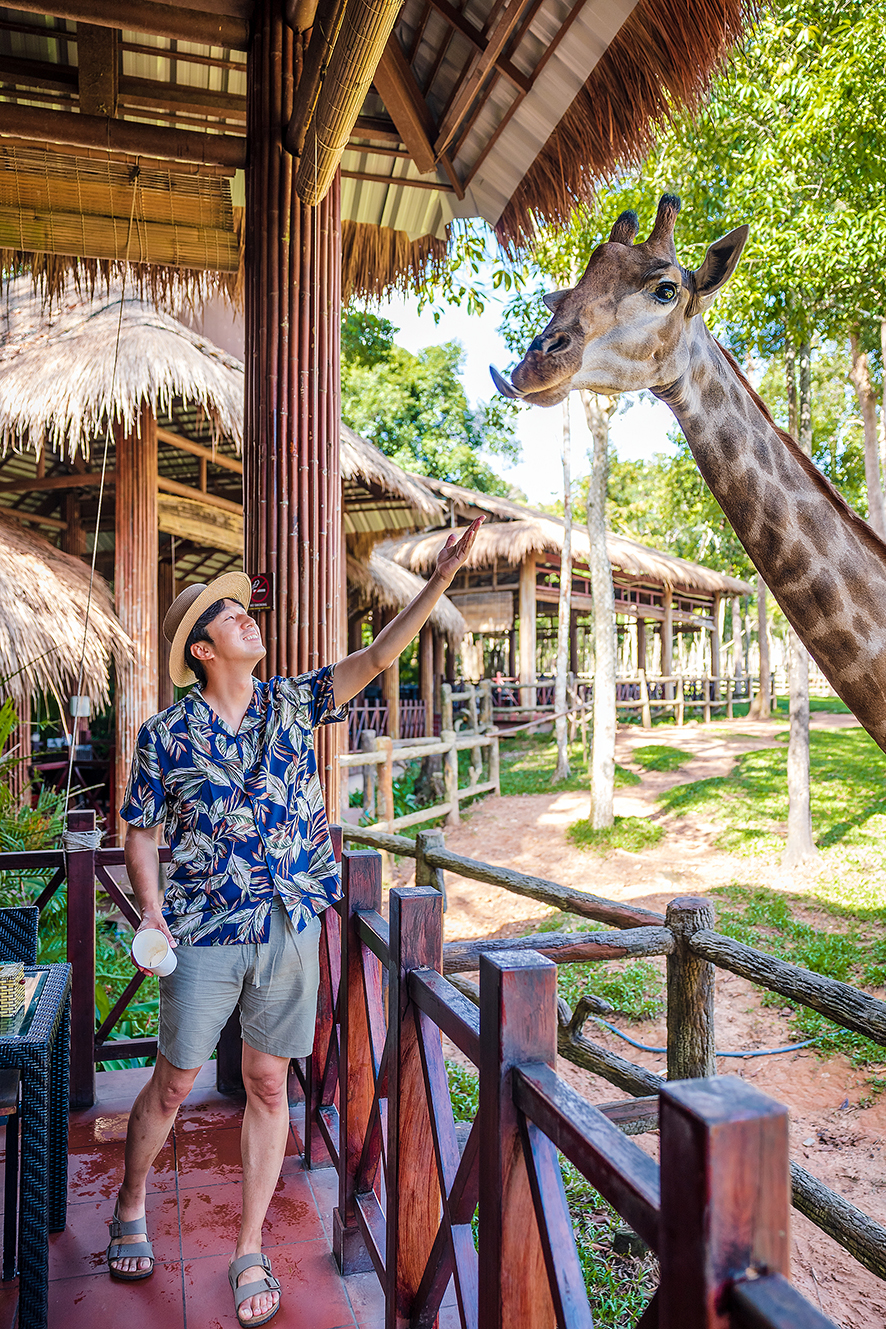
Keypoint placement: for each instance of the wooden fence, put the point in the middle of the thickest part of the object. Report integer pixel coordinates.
(378, 756)
(686, 935)
(716, 1210)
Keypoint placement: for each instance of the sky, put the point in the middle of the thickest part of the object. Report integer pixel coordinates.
(639, 429)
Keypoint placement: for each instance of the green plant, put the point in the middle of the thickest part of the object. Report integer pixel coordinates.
(631, 833)
(659, 757)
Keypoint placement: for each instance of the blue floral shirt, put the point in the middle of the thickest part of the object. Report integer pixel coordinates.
(243, 813)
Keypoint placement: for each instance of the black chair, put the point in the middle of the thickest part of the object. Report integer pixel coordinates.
(18, 934)
(18, 942)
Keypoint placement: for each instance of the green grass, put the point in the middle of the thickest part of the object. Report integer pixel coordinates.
(848, 795)
(528, 765)
(631, 833)
(659, 757)
(618, 1286)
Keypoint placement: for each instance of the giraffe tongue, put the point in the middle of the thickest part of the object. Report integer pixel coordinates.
(504, 387)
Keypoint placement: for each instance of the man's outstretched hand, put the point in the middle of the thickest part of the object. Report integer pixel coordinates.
(455, 552)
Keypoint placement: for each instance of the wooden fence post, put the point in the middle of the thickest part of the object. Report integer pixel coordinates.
(369, 743)
(486, 704)
(425, 875)
(80, 866)
(321, 1070)
(518, 1020)
(450, 777)
(729, 692)
(445, 707)
(412, 1186)
(495, 762)
(645, 709)
(386, 781)
(690, 994)
(725, 1196)
(708, 686)
(361, 994)
(680, 708)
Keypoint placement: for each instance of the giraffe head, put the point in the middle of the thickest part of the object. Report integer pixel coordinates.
(628, 324)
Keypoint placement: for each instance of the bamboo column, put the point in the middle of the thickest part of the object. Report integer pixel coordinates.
(292, 483)
(136, 555)
(667, 639)
(426, 675)
(166, 591)
(527, 628)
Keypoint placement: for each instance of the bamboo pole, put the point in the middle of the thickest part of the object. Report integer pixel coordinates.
(292, 510)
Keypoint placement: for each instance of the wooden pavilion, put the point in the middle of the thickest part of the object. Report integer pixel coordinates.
(177, 405)
(293, 150)
(512, 581)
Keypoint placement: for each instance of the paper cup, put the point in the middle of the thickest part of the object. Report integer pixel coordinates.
(151, 950)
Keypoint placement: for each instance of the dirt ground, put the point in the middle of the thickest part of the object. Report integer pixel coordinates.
(832, 1134)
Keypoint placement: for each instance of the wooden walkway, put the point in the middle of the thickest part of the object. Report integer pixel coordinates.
(193, 1208)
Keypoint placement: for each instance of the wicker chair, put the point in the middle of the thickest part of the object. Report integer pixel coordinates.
(18, 941)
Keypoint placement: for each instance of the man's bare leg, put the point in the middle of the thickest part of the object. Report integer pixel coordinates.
(150, 1122)
(262, 1146)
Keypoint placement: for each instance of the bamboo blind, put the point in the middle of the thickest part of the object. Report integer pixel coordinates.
(54, 204)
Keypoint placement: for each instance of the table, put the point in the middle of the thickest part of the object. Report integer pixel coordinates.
(37, 1041)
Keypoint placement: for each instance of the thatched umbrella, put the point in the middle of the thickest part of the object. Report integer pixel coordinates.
(62, 374)
(388, 585)
(379, 497)
(44, 594)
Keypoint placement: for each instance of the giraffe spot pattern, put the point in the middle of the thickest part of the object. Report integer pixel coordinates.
(825, 592)
(795, 563)
(840, 650)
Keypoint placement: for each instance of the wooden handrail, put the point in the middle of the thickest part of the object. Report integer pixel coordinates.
(460, 957)
(840, 1002)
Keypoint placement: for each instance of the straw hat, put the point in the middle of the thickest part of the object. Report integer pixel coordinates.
(187, 608)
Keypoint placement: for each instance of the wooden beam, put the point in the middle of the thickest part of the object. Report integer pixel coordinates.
(395, 83)
(474, 35)
(367, 126)
(397, 180)
(197, 24)
(98, 69)
(198, 450)
(178, 96)
(34, 518)
(54, 482)
(94, 131)
(508, 18)
(208, 500)
(205, 526)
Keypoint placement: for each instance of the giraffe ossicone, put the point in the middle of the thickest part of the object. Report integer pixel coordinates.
(634, 321)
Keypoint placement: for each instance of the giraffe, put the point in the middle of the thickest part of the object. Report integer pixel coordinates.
(635, 321)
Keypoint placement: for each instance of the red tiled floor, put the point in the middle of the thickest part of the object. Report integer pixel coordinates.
(313, 1294)
(193, 1215)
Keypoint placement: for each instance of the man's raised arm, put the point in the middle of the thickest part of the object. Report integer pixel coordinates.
(353, 673)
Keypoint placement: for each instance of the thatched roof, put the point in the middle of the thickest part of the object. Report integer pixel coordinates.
(58, 382)
(44, 593)
(537, 533)
(362, 461)
(389, 585)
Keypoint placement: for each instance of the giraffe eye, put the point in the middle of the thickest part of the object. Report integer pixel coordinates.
(665, 292)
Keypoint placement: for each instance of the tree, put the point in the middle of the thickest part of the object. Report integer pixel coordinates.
(598, 412)
(414, 407)
(564, 609)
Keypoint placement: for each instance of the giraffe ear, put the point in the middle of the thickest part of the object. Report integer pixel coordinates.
(717, 267)
(554, 299)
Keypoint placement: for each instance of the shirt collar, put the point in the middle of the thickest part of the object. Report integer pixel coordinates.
(203, 713)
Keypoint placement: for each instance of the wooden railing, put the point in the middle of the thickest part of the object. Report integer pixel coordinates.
(694, 949)
(716, 1210)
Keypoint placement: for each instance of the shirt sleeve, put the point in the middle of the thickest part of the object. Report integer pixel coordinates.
(144, 803)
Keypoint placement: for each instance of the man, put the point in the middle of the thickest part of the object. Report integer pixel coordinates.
(230, 774)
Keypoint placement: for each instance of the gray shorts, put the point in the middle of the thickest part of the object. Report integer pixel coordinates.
(274, 983)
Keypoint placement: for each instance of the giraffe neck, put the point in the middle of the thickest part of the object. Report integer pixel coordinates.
(824, 565)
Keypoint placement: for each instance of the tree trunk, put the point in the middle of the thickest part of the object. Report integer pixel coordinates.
(564, 610)
(760, 709)
(883, 404)
(603, 746)
(800, 847)
(867, 404)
